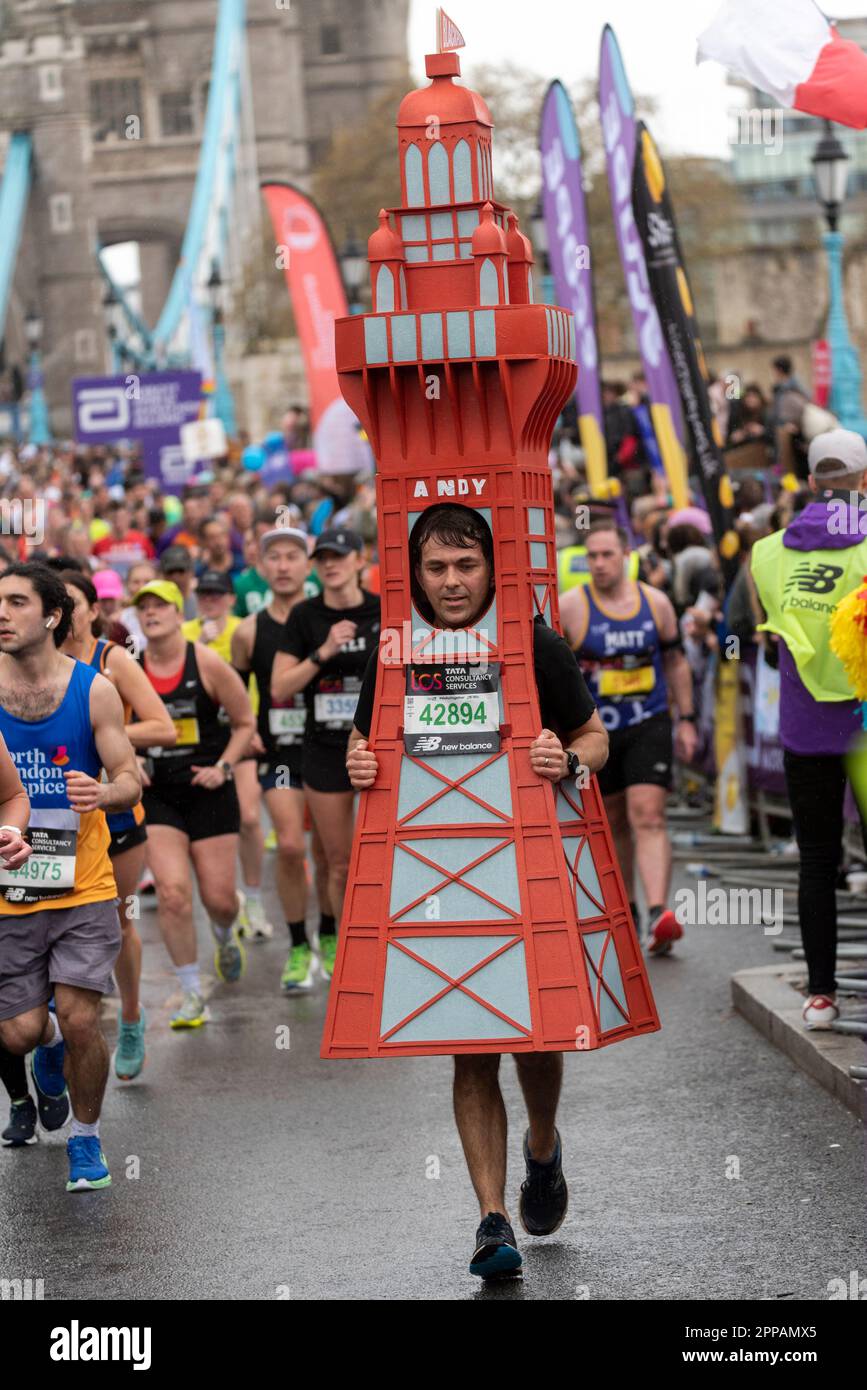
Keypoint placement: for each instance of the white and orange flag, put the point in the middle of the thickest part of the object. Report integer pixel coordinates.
(788, 49)
(449, 35)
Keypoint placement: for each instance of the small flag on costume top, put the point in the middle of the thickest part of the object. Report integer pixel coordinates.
(449, 35)
(788, 49)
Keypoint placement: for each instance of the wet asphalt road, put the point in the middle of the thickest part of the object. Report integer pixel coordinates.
(243, 1170)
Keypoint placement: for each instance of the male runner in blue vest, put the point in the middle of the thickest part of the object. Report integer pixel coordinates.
(626, 638)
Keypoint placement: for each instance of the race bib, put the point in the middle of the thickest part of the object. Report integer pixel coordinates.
(286, 725)
(639, 681)
(188, 731)
(50, 870)
(451, 710)
(335, 708)
(183, 713)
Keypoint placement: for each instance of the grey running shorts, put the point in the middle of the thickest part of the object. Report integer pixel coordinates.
(60, 946)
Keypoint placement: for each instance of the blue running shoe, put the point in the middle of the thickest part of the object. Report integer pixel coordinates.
(496, 1255)
(87, 1165)
(52, 1097)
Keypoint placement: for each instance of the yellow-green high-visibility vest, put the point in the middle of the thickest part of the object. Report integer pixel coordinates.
(572, 567)
(799, 590)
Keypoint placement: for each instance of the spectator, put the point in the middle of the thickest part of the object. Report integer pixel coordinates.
(123, 545)
(215, 548)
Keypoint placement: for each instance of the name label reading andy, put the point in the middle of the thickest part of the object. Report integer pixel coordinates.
(452, 487)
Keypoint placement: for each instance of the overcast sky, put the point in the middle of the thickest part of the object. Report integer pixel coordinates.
(560, 38)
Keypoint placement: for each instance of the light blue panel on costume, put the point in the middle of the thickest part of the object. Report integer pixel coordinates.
(612, 976)
(403, 343)
(586, 873)
(481, 171)
(558, 335)
(498, 877)
(454, 954)
(375, 342)
(548, 325)
(445, 251)
(463, 172)
(458, 329)
(407, 985)
(465, 250)
(414, 179)
(438, 173)
(468, 221)
(453, 854)
(409, 878)
(538, 555)
(589, 877)
(403, 295)
(572, 337)
(609, 1014)
(416, 253)
(492, 785)
(416, 786)
(489, 284)
(456, 904)
(431, 336)
(540, 590)
(384, 290)
(504, 983)
(485, 322)
(414, 228)
(454, 809)
(441, 225)
(455, 1018)
(546, 613)
(564, 810)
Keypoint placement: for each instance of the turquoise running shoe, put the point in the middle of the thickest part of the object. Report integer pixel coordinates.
(129, 1055)
(87, 1165)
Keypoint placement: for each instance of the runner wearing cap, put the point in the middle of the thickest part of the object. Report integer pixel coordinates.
(110, 598)
(627, 641)
(323, 652)
(177, 565)
(216, 626)
(190, 798)
(280, 731)
(147, 723)
(799, 576)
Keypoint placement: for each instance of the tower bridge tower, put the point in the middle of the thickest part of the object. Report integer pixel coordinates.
(485, 910)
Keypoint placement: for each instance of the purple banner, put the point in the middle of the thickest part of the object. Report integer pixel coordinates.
(149, 407)
(569, 251)
(617, 110)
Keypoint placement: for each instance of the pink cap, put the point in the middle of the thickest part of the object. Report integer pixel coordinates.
(107, 584)
(691, 516)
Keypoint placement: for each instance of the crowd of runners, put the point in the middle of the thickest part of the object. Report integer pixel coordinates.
(186, 693)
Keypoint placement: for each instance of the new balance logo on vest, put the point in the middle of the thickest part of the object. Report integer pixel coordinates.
(813, 578)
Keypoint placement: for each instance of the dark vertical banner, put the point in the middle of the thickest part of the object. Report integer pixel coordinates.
(569, 249)
(654, 219)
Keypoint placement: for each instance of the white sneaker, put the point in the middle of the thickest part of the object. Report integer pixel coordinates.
(254, 922)
(819, 1012)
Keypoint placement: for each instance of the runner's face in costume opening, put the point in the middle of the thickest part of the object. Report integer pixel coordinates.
(22, 621)
(455, 580)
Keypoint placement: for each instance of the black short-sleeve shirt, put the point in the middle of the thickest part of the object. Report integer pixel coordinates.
(307, 627)
(565, 702)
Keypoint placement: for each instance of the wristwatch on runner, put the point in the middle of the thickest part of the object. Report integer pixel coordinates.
(226, 770)
(316, 658)
(689, 718)
(573, 763)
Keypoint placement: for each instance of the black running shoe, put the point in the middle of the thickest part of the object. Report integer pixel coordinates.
(21, 1128)
(544, 1194)
(496, 1255)
(52, 1097)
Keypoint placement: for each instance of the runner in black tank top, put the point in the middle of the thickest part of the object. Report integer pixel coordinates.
(325, 650)
(190, 799)
(255, 644)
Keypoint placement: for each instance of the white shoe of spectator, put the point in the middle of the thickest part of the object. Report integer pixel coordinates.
(819, 1011)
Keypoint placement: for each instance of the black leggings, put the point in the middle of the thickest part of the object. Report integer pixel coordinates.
(13, 1074)
(816, 786)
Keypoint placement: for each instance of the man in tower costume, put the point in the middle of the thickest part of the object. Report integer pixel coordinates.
(485, 912)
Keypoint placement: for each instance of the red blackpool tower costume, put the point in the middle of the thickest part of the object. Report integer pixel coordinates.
(484, 911)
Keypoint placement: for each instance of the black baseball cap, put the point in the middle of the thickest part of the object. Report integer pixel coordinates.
(341, 540)
(215, 582)
(175, 557)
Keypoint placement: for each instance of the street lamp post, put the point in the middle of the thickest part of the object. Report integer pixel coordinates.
(224, 405)
(830, 174)
(39, 431)
(353, 267)
(539, 237)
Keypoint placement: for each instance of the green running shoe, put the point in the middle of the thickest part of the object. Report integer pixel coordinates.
(129, 1055)
(230, 958)
(328, 953)
(297, 977)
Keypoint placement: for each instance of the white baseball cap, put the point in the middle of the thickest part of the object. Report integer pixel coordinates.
(284, 533)
(837, 454)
